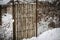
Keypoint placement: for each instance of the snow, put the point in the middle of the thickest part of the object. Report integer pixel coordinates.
(7, 26)
(33, 38)
(52, 34)
(48, 0)
(3, 2)
(44, 25)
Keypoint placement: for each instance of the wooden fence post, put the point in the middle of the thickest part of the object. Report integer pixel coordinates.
(13, 12)
(0, 15)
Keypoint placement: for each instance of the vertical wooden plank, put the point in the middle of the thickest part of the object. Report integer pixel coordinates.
(0, 15)
(16, 21)
(13, 12)
(36, 18)
(26, 21)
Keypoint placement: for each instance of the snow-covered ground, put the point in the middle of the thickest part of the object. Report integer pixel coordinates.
(44, 25)
(52, 34)
(6, 29)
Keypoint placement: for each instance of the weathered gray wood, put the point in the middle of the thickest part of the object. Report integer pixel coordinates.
(26, 20)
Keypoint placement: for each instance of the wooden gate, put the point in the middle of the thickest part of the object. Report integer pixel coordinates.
(25, 20)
